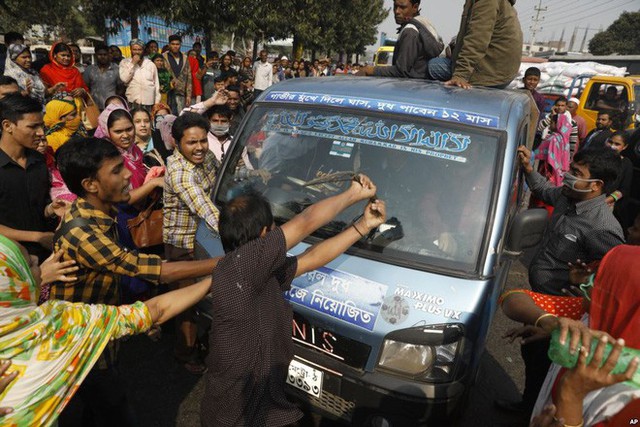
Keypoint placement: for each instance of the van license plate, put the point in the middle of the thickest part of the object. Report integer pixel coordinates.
(305, 378)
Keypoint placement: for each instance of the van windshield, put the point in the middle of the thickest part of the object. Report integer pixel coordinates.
(436, 177)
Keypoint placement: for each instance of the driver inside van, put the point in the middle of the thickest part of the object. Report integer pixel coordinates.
(453, 209)
(610, 100)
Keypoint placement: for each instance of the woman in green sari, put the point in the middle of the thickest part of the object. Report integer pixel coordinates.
(52, 347)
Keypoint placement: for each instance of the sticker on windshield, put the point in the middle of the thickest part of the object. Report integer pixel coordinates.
(342, 149)
(442, 113)
(344, 296)
(405, 137)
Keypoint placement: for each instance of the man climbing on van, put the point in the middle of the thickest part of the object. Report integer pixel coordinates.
(418, 43)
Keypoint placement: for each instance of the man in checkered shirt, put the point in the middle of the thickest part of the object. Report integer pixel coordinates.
(94, 170)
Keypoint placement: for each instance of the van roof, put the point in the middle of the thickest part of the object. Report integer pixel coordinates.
(479, 106)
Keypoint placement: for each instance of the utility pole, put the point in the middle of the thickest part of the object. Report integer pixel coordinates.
(536, 19)
(584, 39)
(561, 41)
(573, 39)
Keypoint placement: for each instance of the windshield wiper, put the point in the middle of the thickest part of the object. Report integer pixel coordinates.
(332, 177)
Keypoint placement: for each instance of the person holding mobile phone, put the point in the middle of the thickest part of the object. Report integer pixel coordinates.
(140, 76)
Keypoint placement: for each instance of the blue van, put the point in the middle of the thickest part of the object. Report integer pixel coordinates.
(391, 332)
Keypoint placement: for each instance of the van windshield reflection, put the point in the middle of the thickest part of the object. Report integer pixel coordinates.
(436, 177)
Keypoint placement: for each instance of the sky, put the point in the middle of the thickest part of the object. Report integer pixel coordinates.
(559, 15)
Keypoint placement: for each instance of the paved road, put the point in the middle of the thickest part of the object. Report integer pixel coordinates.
(166, 395)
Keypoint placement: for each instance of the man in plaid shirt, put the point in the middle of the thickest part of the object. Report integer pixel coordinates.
(190, 177)
(94, 170)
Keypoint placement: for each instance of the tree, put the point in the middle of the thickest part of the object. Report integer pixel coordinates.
(124, 10)
(15, 15)
(357, 27)
(622, 37)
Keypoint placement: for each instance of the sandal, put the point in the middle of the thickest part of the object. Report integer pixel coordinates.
(193, 363)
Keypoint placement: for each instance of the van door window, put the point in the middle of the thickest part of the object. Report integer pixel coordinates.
(437, 178)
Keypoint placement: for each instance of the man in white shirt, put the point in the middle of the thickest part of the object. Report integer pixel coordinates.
(140, 75)
(263, 71)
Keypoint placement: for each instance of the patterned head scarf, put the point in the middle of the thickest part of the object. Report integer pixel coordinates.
(15, 50)
(137, 42)
(59, 131)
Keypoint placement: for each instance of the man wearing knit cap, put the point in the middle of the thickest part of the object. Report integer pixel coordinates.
(572, 107)
(140, 76)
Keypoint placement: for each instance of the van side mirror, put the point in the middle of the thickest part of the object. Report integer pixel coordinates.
(526, 231)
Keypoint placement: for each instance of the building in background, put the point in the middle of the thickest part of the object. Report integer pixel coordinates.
(151, 28)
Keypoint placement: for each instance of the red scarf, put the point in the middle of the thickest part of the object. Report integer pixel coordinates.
(197, 84)
(615, 299)
(54, 72)
(133, 160)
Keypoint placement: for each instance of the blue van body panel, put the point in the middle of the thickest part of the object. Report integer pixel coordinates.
(365, 299)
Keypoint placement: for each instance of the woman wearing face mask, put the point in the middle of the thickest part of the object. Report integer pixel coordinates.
(161, 134)
(62, 122)
(619, 199)
(18, 66)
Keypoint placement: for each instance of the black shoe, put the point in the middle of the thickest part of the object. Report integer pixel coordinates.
(511, 406)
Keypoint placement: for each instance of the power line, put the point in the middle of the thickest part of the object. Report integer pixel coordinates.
(536, 20)
(574, 17)
(571, 12)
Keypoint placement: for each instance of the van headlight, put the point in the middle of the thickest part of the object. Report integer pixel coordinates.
(427, 353)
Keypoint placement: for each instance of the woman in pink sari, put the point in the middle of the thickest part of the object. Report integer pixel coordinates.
(554, 154)
(116, 123)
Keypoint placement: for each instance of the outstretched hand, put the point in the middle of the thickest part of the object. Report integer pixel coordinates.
(375, 214)
(587, 377)
(524, 157)
(579, 272)
(547, 418)
(5, 380)
(362, 187)
(526, 333)
(54, 270)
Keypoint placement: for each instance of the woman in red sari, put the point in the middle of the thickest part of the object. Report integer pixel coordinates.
(613, 311)
(62, 73)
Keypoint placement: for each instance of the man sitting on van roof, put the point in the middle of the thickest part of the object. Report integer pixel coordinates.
(488, 48)
(418, 42)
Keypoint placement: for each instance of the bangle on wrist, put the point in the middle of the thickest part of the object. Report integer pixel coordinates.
(570, 425)
(356, 228)
(542, 317)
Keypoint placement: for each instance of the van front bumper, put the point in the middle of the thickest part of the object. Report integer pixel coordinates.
(358, 397)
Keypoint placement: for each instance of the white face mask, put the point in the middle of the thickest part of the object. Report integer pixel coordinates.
(570, 181)
(220, 130)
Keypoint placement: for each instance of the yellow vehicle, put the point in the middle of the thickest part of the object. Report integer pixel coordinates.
(619, 95)
(383, 56)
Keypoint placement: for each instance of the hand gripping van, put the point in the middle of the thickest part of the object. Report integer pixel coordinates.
(391, 332)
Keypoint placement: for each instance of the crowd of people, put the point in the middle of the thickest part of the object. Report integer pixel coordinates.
(88, 151)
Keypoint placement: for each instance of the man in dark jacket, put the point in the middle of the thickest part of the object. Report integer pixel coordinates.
(597, 138)
(488, 49)
(418, 43)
